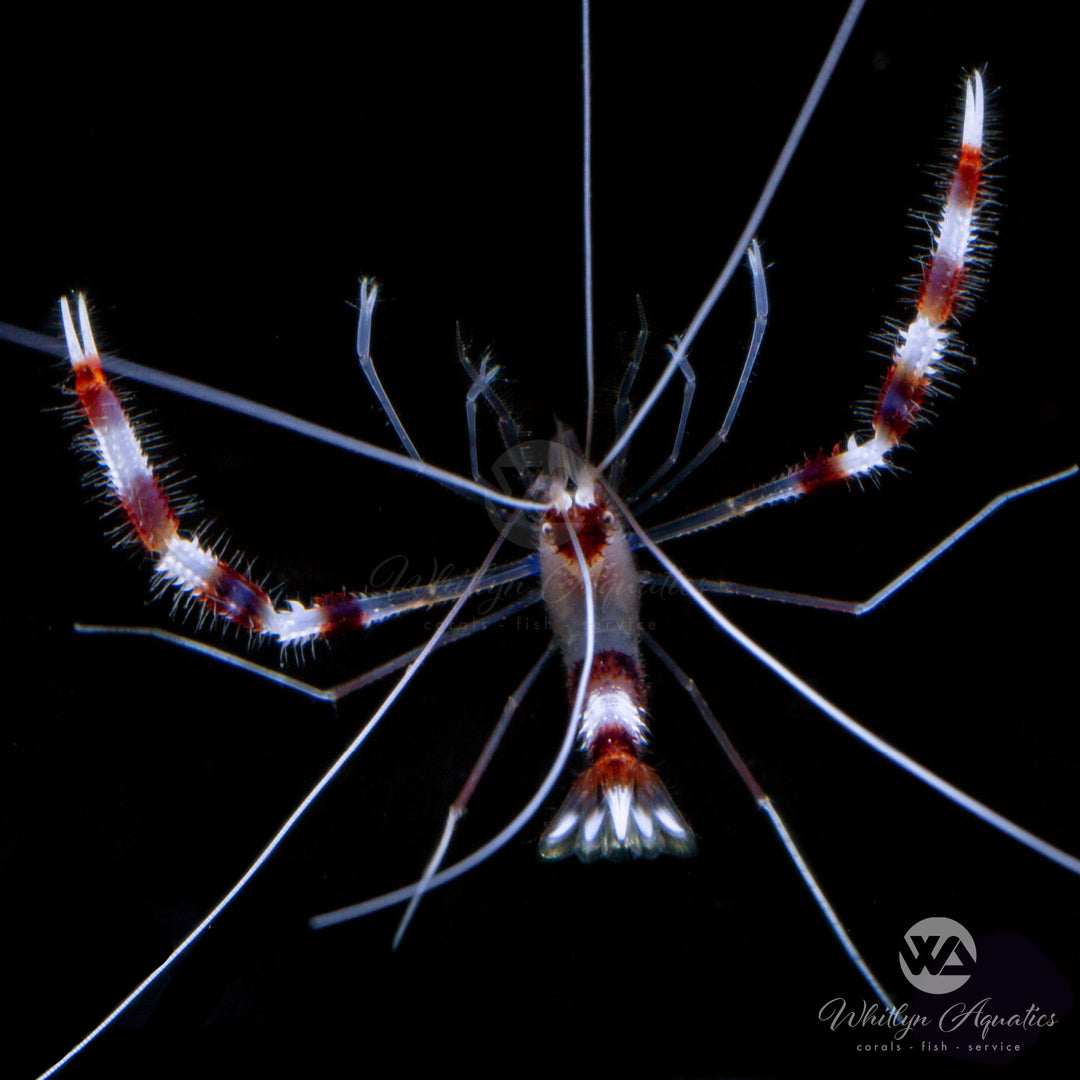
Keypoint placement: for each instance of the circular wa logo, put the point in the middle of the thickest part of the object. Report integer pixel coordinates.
(517, 464)
(937, 955)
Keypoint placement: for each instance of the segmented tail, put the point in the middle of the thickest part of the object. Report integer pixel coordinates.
(617, 807)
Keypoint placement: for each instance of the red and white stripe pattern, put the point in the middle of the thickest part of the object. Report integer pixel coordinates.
(921, 346)
(923, 343)
(181, 561)
(617, 806)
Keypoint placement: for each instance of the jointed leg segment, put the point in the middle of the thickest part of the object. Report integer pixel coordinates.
(861, 607)
(183, 562)
(761, 319)
(917, 357)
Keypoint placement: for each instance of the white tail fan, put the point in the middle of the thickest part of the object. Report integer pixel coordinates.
(617, 811)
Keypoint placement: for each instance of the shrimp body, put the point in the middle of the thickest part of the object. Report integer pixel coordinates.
(220, 223)
(617, 806)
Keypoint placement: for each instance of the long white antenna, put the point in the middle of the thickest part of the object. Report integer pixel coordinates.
(838, 716)
(407, 892)
(586, 209)
(291, 820)
(223, 399)
(749, 230)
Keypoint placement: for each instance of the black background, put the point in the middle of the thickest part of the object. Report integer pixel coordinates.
(216, 187)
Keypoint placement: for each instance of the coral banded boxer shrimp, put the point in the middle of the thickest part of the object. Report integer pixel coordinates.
(696, 818)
